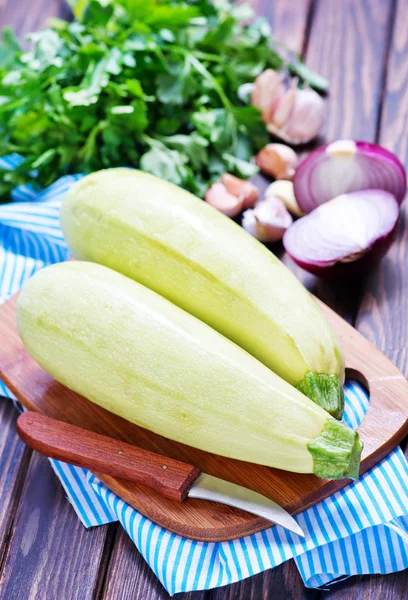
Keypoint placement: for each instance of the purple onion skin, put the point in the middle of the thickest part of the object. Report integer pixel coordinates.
(366, 147)
(360, 266)
(379, 150)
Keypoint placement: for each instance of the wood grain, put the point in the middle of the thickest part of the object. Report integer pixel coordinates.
(375, 587)
(142, 583)
(383, 312)
(50, 554)
(288, 20)
(280, 583)
(384, 426)
(348, 44)
(14, 459)
(77, 446)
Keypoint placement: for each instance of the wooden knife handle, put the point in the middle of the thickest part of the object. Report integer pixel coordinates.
(96, 452)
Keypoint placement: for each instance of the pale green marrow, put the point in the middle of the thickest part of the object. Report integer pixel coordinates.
(184, 249)
(136, 354)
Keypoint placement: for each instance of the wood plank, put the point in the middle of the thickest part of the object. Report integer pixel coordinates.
(352, 53)
(376, 587)
(281, 583)
(348, 44)
(14, 459)
(383, 313)
(126, 559)
(288, 20)
(50, 553)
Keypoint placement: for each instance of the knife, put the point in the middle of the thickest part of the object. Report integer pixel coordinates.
(171, 478)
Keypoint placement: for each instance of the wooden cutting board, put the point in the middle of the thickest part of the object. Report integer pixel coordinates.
(384, 426)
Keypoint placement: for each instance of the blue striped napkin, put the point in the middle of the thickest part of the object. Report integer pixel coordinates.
(360, 529)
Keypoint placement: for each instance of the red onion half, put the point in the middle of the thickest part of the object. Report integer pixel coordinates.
(345, 235)
(347, 166)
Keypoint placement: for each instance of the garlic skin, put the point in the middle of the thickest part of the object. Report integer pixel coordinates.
(268, 221)
(283, 189)
(303, 119)
(277, 161)
(244, 190)
(219, 197)
(294, 114)
(267, 92)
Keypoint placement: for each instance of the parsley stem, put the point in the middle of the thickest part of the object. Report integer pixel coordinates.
(207, 75)
(198, 53)
(192, 57)
(206, 56)
(149, 141)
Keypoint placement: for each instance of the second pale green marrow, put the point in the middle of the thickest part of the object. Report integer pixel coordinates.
(182, 248)
(136, 354)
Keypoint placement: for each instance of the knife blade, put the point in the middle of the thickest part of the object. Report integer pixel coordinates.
(173, 479)
(208, 487)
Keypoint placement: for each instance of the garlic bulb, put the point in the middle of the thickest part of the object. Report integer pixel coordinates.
(268, 221)
(294, 114)
(244, 190)
(219, 197)
(277, 160)
(283, 190)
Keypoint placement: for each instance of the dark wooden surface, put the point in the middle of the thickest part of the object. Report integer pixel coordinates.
(362, 46)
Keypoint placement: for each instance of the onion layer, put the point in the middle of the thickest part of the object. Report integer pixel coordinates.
(347, 166)
(345, 235)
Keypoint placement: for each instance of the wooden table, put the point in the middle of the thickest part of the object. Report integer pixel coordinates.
(45, 553)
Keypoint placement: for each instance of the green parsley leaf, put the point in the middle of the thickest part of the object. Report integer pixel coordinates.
(151, 84)
(9, 49)
(194, 146)
(241, 168)
(165, 163)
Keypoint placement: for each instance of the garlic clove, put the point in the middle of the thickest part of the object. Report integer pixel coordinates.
(244, 190)
(268, 221)
(284, 108)
(298, 119)
(283, 189)
(277, 160)
(267, 91)
(307, 116)
(219, 197)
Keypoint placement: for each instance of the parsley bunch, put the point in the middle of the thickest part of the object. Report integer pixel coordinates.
(146, 83)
